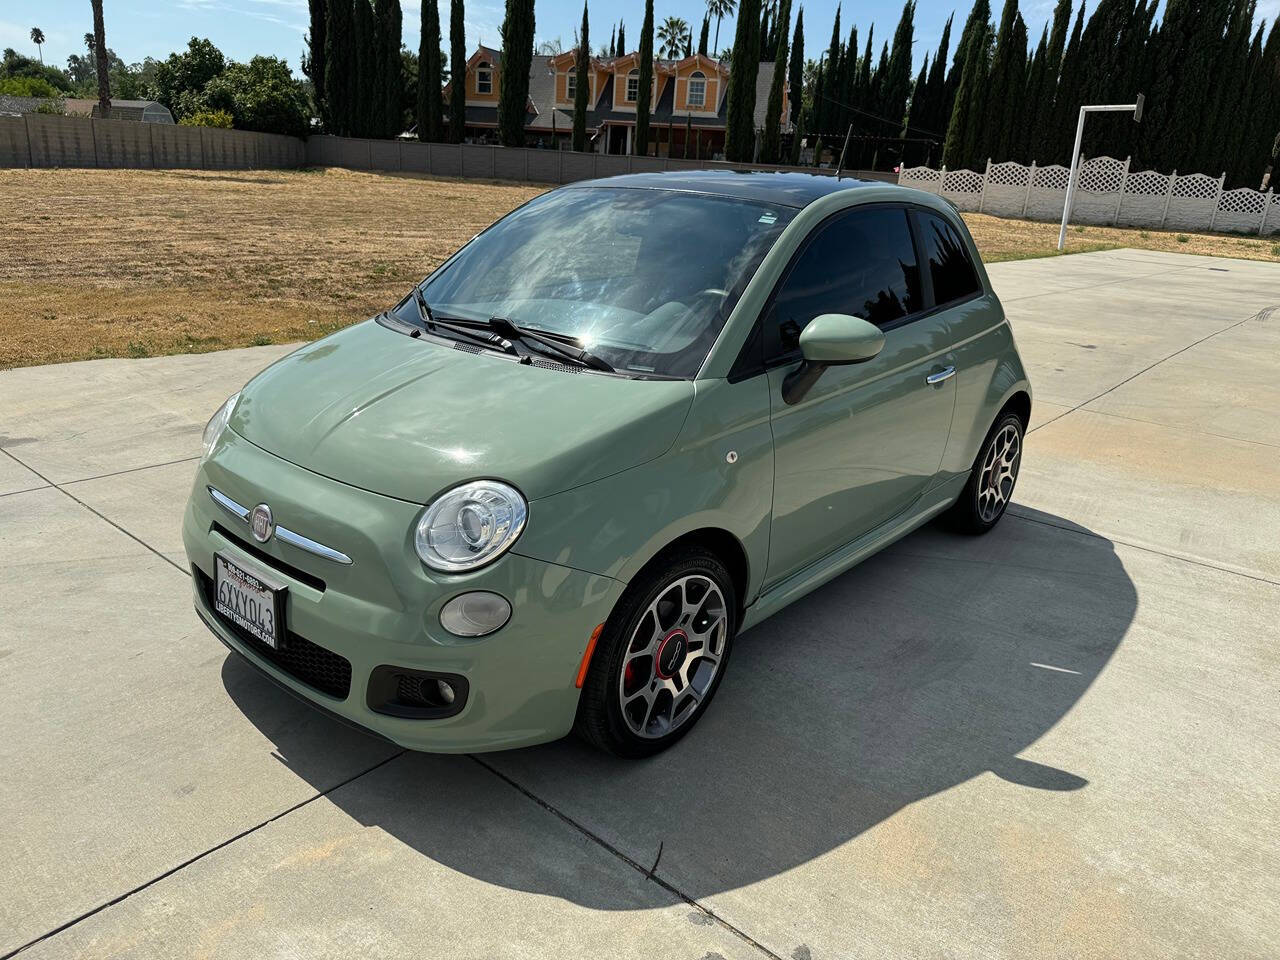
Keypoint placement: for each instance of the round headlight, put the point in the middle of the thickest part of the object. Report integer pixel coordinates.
(470, 525)
(217, 423)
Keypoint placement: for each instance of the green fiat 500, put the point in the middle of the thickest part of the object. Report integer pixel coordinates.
(634, 417)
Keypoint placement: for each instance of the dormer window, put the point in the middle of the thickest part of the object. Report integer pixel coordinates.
(697, 96)
(633, 86)
(484, 78)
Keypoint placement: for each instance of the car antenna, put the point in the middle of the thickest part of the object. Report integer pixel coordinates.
(844, 150)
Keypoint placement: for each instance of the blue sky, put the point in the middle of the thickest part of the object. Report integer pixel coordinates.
(242, 28)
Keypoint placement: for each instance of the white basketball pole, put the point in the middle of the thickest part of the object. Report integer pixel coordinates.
(1136, 108)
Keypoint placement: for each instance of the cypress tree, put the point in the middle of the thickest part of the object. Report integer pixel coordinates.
(897, 81)
(314, 62)
(582, 93)
(1034, 97)
(819, 93)
(1043, 134)
(740, 138)
(703, 37)
(762, 37)
(875, 95)
(795, 78)
(848, 92)
(430, 101)
(827, 111)
(517, 56)
(457, 71)
(918, 92)
(645, 91)
(1008, 80)
(797, 136)
(1066, 103)
(771, 145)
(967, 114)
(933, 119)
(363, 123)
(622, 39)
(1264, 127)
(613, 41)
(340, 66)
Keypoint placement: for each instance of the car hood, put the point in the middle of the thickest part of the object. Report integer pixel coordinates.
(410, 417)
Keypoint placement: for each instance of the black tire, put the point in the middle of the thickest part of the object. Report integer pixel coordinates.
(600, 720)
(970, 514)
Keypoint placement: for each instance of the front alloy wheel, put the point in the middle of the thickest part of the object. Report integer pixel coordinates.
(661, 656)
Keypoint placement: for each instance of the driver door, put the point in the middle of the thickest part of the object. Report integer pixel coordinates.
(867, 440)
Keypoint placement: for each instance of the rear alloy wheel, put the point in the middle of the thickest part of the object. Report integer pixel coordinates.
(660, 658)
(995, 471)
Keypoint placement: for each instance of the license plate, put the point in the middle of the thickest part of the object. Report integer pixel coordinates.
(250, 599)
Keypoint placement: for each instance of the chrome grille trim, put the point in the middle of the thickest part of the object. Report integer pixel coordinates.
(241, 513)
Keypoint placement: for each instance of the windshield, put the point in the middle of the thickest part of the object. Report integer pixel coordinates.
(644, 279)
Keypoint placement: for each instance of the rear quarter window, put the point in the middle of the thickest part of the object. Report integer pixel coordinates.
(947, 260)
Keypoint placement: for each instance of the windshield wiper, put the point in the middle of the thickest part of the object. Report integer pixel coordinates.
(546, 344)
(473, 335)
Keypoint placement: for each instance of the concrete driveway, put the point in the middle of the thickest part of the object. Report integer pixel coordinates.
(1058, 740)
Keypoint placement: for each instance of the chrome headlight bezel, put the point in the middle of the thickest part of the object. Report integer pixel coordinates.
(470, 526)
(217, 423)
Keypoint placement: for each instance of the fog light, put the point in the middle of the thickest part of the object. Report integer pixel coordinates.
(445, 692)
(475, 614)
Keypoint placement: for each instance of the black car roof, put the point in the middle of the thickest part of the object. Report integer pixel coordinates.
(787, 188)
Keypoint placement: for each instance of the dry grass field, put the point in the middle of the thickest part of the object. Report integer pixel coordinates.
(139, 263)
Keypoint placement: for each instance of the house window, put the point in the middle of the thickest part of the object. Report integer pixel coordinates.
(633, 86)
(571, 85)
(697, 89)
(484, 79)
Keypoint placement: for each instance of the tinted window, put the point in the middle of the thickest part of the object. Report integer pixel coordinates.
(954, 277)
(861, 263)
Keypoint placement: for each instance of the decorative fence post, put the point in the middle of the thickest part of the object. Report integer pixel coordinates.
(1217, 200)
(942, 181)
(986, 175)
(1124, 182)
(1266, 208)
(1026, 197)
(1168, 195)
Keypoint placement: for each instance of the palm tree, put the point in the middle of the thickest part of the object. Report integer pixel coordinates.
(671, 38)
(37, 37)
(100, 54)
(719, 9)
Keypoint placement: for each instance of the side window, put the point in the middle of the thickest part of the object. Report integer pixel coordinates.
(861, 263)
(953, 274)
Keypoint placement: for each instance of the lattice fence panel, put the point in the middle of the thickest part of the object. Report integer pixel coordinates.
(1272, 223)
(1192, 202)
(1048, 192)
(921, 178)
(1240, 211)
(963, 188)
(1144, 197)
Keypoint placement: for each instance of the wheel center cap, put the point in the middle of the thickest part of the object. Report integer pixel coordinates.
(671, 652)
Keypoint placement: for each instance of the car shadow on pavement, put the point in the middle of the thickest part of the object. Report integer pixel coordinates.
(937, 661)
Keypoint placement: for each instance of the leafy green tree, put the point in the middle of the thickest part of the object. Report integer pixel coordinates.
(261, 95)
(671, 37)
(208, 118)
(771, 144)
(740, 137)
(340, 65)
(457, 71)
(645, 91)
(181, 77)
(430, 100)
(517, 55)
(15, 64)
(28, 87)
(795, 77)
(313, 60)
(582, 90)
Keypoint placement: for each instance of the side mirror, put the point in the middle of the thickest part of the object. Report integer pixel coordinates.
(828, 340)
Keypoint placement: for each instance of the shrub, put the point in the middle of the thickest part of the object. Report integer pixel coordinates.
(207, 118)
(1182, 238)
(56, 107)
(28, 87)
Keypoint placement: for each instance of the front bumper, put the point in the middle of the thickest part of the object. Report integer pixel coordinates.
(383, 608)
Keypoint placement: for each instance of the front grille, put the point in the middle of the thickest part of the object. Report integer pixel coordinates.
(306, 662)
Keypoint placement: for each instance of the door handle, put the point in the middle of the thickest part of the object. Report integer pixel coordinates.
(946, 373)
